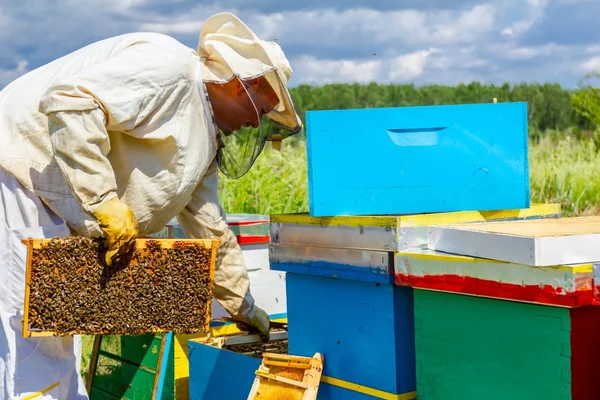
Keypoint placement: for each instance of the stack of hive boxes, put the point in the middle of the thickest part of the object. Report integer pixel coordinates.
(376, 282)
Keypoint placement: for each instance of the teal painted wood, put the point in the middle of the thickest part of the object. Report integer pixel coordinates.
(406, 160)
(335, 271)
(365, 331)
(164, 365)
(219, 374)
(472, 348)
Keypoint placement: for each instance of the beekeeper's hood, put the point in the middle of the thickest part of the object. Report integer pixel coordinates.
(231, 49)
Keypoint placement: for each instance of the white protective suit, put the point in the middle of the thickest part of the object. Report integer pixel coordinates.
(129, 117)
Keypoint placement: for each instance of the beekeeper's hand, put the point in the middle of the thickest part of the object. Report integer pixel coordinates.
(259, 320)
(120, 227)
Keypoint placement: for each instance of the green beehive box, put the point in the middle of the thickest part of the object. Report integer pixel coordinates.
(473, 348)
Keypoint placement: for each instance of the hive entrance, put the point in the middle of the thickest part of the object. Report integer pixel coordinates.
(161, 286)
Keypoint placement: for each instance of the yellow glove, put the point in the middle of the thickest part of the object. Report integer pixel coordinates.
(120, 226)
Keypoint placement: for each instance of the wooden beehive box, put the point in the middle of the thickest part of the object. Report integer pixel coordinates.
(163, 285)
(417, 160)
(540, 242)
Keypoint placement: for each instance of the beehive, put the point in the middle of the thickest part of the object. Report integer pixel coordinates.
(162, 285)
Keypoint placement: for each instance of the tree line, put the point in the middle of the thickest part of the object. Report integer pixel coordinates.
(550, 106)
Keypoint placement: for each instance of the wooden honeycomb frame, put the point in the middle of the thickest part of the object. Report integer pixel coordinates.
(140, 244)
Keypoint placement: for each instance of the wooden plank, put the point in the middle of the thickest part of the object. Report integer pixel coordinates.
(124, 380)
(161, 367)
(282, 379)
(560, 285)
(385, 233)
(93, 362)
(410, 160)
(140, 243)
(536, 242)
(141, 349)
(382, 221)
(573, 226)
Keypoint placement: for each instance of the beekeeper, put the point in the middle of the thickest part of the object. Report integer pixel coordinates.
(114, 140)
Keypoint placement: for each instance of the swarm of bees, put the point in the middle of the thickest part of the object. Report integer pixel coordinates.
(151, 289)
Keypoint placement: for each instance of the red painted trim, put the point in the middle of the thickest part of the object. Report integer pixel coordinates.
(597, 294)
(245, 223)
(250, 239)
(585, 353)
(487, 288)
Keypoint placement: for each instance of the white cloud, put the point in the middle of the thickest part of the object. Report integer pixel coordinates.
(402, 27)
(409, 66)
(591, 65)
(189, 22)
(525, 53)
(592, 49)
(403, 68)
(331, 27)
(9, 75)
(535, 11)
(481, 40)
(308, 69)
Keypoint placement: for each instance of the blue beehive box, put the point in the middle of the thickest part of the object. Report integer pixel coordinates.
(409, 160)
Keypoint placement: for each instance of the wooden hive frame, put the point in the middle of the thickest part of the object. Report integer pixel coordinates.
(283, 376)
(32, 244)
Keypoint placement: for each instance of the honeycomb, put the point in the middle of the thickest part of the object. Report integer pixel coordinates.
(153, 288)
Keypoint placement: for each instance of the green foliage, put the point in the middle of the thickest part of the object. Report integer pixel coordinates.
(549, 105)
(586, 99)
(566, 172)
(562, 170)
(276, 183)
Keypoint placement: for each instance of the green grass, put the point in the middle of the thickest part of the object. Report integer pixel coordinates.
(566, 171)
(275, 184)
(563, 170)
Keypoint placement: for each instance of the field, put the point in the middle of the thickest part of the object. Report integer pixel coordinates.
(563, 170)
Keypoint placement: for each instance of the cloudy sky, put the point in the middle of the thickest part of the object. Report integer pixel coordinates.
(418, 41)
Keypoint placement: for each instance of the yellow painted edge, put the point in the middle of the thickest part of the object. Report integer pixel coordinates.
(418, 219)
(367, 390)
(351, 221)
(581, 268)
(225, 330)
(231, 329)
(536, 210)
(181, 367)
(38, 394)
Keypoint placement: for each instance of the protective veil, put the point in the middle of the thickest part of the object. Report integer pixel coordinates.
(128, 118)
(239, 149)
(225, 43)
